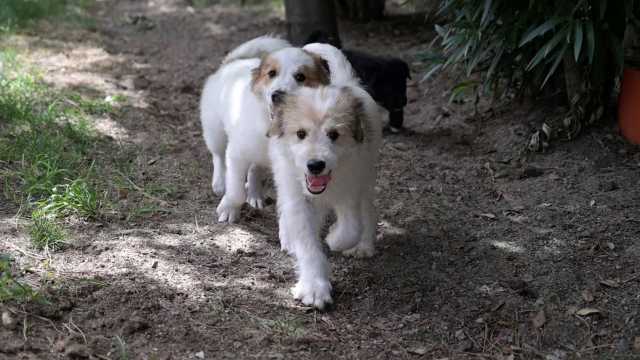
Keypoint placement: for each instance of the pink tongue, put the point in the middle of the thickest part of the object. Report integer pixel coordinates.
(318, 181)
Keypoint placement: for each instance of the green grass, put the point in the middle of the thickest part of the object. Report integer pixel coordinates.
(18, 14)
(45, 231)
(46, 147)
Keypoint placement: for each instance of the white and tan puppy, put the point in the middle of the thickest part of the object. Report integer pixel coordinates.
(324, 148)
(234, 112)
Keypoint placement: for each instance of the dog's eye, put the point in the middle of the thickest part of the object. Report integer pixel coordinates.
(301, 134)
(333, 135)
(299, 77)
(272, 73)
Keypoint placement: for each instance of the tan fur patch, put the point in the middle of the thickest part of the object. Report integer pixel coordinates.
(295, 112)
(260, 76)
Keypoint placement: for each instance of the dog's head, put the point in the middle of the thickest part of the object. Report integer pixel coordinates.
(320, 126)
(287, 69)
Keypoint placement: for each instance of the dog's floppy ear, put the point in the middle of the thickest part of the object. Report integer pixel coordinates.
(255, 75)
(278, 102)
(358, 115)
(325, 72)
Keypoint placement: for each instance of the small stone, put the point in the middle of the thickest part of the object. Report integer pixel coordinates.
(141, 83)
(155, 265)
(77, 351)
(200, 354)
(7, 320)
(531, 172)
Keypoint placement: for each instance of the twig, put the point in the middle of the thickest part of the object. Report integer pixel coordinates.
(28, 254)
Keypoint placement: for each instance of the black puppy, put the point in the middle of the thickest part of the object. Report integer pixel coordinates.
(385, 78)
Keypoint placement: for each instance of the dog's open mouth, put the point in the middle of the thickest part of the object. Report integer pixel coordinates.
(317, 184)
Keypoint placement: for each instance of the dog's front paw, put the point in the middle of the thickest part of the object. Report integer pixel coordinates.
(361, 250)
(340, 239)
(316, 293)
(256, 202)
(218, 186)
(285, 244)
(228, 212)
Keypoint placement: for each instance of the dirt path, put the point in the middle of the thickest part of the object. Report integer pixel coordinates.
(485, 253)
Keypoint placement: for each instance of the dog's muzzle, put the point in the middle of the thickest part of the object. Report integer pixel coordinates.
(317, 184)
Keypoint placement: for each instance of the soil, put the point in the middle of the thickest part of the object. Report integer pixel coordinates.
(485, 252)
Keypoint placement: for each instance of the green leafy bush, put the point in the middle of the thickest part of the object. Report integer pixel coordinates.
(521, 43)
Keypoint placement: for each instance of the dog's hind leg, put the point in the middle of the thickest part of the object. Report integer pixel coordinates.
(345, 233)
(369, 216)
(216, 140)
(229, 208)
(255, 186)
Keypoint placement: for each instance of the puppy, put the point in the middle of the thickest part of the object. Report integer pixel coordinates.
(234, 111)
(324, 145)
(383, 77)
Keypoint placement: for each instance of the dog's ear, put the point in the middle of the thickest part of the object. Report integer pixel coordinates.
(256, 74)
(358, 117)
(278, 103)
(325, 72)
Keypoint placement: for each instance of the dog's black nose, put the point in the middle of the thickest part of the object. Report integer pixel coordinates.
(277, 96)
(315, 166)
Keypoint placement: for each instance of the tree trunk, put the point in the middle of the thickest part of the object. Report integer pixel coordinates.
(311, 16)
(361, 10)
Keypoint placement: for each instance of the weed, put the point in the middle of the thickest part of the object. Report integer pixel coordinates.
(45, 231)
(10, 288)
(78, 197)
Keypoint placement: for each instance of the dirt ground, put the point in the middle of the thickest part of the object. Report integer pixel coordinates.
(486, 252)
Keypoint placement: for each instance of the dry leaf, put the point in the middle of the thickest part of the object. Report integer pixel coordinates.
(421, 350)
(592, 203)
(489, 216)
(610, 283)
(636, 344)
(540, 319)
(587, 295)
(587, 312)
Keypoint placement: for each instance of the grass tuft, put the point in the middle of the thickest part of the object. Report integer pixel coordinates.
(45, 231)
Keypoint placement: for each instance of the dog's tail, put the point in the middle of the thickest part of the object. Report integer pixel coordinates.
(256, 48)
(342, 74)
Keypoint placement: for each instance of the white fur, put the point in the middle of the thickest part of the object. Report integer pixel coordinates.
(350, 194)
(235, 121)
(256, 48)
(342, 74)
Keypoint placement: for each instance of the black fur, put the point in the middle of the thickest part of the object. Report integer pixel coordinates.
(385, 78)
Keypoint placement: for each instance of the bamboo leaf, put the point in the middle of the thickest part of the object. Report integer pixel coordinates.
(496, 61)
(591, 41)
(577, 44)
(485, 14)
(545, 50)
(435, 68)
(559, 57)
(538, 31)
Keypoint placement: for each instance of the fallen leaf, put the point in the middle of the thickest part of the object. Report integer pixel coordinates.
(587, 295)
(610, 283)
(519, 219)
(592, 203)
(636, 344)
(587, 312)
(489, 216)
(421, 350)
(540, 319)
